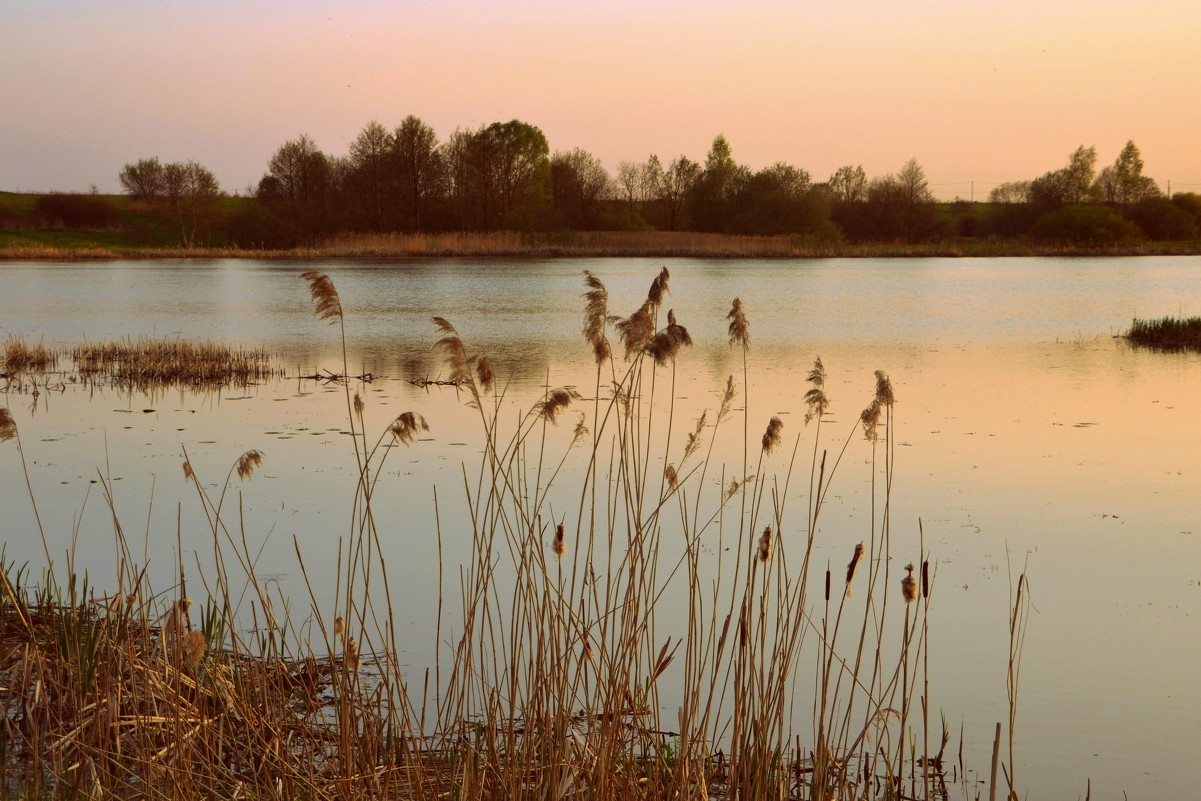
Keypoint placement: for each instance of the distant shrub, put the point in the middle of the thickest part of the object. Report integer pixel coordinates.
(1089, 225)
(88, 212)
(1163, 220)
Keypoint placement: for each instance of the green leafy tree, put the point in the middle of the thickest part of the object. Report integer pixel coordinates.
(143, 180)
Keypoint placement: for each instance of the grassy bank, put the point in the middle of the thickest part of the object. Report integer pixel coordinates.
(1167, 333)
(99, 246)
(560, 674)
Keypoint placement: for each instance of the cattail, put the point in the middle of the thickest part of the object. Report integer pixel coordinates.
(556, 401)
(188, 475)
(765, 546)
(771, 437)
(596, 313)
(486, 373)
(8, 426)
(852, 566)
(339, 627)
(329, 306)
(827, 584)
(195, 645)
(248, 462)
(352, 655)
(559, 543)
(673, 478)
(926, 578)
(740, 329)
(884, 394)
(358, 404)
(588, 654)
(405, 427)
(909, 585)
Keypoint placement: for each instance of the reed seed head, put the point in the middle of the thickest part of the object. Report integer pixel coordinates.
(766, 546)
(637, 329)
(406, 426)
(870, 419)
(325, 296)
(659, 288)
(909, 585)
(672, 477)
(771, 437)
(486, 373)
(358, 404)
(559, 543)
(248, 463)
(694, 437)
(667, 343)
(555, 402)
(854, 564)
(884, 394)
(727, 399)
(352, 655)
(740, 329)
(195, 645)
(581, 429)
(816, 398)
(8, 426)
(339, 627)
(596, 314)
(188, 475)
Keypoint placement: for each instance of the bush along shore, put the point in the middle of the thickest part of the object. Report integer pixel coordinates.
(558, 674)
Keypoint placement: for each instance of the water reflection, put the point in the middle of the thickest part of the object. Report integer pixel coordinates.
(1022, 428)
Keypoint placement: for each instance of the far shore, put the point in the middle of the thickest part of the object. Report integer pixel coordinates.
(604, 244)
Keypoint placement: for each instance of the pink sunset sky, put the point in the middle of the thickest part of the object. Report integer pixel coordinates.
(979, 91)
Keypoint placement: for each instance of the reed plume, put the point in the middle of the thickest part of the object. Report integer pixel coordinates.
(456, 355)
(248, 463)
(555, 402)
(855, 559)
(740, 329)
(664, 345)
(658, 288)
(596, 314)
(870, 419)
(693, 443)
(358, 404)
(405, 427)
(816, 398)
(637, 329)
(325, 296)
(486, 372)
(727, 399)
(884, 394)
(8, 426)
(771, 437)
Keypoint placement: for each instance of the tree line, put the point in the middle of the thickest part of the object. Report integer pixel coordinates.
(503, 176)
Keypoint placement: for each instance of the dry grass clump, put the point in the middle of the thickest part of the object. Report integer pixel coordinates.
(147, 362)
(22, 356)
(1167, 333)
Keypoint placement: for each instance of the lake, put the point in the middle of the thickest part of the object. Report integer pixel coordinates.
(1027, 437)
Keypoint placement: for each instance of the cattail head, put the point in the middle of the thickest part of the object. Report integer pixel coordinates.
(559, 543)
(588, 654)
(596, 313)
(672, 477)
(766, 546)
(325, 296)
(771, 437)
(248, 463)
(854, 564)
(405, 427)
(740, 329)
(352, 655)
(827, 583)
(188, 475)
(339, 627)
(555, 402)
(926, 578)
(195, 645)
(909, 585)
(8, 426)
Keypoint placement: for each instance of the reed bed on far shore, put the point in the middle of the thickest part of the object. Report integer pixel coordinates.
(559, 674)
(1167, 333)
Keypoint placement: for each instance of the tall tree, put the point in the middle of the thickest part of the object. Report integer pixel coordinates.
(368, 175)
(848, 184)
(143, 180)
(192, 190)
(418, 171)
(298, 185)
(674, 186)
(579, 183)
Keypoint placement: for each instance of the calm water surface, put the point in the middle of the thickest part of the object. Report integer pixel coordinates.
(1027, 436)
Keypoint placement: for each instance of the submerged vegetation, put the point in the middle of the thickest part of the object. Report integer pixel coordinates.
(1167, 333)
(560, 673)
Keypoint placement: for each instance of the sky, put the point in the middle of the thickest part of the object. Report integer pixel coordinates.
(978, 91)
